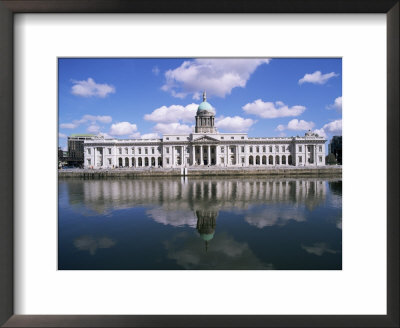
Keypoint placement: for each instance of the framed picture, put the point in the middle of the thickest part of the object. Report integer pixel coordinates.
(214, 122)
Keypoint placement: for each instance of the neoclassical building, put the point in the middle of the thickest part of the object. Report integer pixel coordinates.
(205, 147)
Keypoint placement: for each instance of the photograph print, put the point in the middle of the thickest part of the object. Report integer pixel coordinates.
(200, 163)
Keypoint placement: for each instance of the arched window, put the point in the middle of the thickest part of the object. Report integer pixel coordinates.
(283, 160)
(264, 160)
(140, 161)
(146, 161)
(258, 160)
(120, 162)
(126, 161)
(276, 160)
(251, 160)
(271, 160)
(290, 160)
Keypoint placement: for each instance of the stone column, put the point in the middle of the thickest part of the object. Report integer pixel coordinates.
(172, 156)
(216, 155)
(201, 155)
(209, 155)
(237, 155)
(193, 154)
(226, 155)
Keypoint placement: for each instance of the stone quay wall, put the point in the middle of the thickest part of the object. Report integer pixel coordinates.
(327, 171)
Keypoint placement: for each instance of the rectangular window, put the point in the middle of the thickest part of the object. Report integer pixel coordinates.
(177, 138)
(133, 150)
(232, 149)
(320, 159)
(242, 149)
(242, 160)
(166, 138)
(222, 149)
(270, 149)
(283, 149)
(89, 162)
(258, 149)
(222, 137)
(89, 151)
(264, 149)
(320, 149)
(232, 137)
(152, 150)
(242, 137)
(300, 159)
(222, 160)
(109, 161)
(167, 160)
(109, 151)
(167, 150)
(300, 149)
(126, 150)
(251, 149)
(120, 151)
(277, 149)
(146, 151)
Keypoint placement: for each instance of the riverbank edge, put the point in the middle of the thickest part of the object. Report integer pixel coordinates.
(177, 172)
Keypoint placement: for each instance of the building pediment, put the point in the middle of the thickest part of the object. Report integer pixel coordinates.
(205, 139)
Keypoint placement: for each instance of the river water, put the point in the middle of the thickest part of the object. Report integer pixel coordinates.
(200, 223)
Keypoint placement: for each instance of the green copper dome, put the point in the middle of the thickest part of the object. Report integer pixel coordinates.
(207, 236)
(205, 108)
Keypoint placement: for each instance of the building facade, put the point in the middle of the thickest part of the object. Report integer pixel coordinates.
(205, 147)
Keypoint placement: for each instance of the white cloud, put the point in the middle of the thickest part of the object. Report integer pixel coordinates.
(91, 244)
(86, 119)
(150, 136)
(272, 110)
(173, 113)
(317, 77)
(122, 129)
(90, 88)
(105, 135)
(155, 70)
(296, 125)
(68, 125)
(234, 124)
(217, 76)
(321, 132)
(93, 119)
(171, 128)
(334, 127)
(93, 128)
(135, 135)
(62, 135)
(336, 105)
(318, 249)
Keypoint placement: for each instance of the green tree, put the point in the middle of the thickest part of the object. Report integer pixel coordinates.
(331, 159)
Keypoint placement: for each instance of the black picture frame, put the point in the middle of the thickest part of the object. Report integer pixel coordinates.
(10, 7)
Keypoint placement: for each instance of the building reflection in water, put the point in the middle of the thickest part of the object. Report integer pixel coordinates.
(196, 202)
(206, 223)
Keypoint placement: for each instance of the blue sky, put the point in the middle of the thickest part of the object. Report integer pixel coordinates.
(141, 98)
